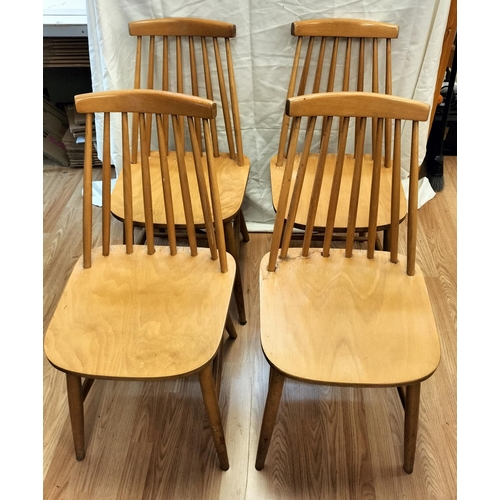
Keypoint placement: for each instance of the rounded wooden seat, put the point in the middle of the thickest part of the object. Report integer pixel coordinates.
(131, 316)
(310, 333)
(229, 173)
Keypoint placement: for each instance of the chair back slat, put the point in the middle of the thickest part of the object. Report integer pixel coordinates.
(147, 194)
(396, 192)
(166, 184)
(283, 198)
(202, 186)
(412, 203)
(210, 94)
(361, 107)
(316, 190)
(378, 125)
(291, 88)
(106, 186)
(161, 106)
(297, 191)
(355, 187)
(87, 191)
(335, 191)
(127, 185)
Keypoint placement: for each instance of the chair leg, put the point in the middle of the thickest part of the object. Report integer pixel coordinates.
(276, 381)
(217, 369)
(75, 401)
(386, 240)
(412, 404)
(211, 402)
(231, 330)
(238, 286)
(243, 227)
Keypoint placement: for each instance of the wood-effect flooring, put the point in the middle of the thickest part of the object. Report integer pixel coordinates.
(148, 441)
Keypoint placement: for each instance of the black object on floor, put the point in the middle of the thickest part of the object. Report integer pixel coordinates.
(433, 162)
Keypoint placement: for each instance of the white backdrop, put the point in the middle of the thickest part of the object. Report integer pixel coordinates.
(263, 52)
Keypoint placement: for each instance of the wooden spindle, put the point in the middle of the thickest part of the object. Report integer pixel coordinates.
(146, 185)
(375, 87)
(297, 188)
(396, 191)
(286, 119)
(165, 84)
(151, 77)
(202, 188)
(127, 187)
(215, 198)
(388, 91)
(184, 184)
(180, 80)
(137, 85)
(335, 191)
(356, 180)
(412, 202)
(106, 186)
(283, 198)
(319, 66)
(375, 188)
(316, 190)
(87, 192)
(347, 65)
(166, 184)
(224, 100)
(210, 94)
(234, 105)
(194, 83)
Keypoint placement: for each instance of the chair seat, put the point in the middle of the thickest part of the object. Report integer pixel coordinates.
(132, 316)
(384, 210)
(229, 174)
(347, 321)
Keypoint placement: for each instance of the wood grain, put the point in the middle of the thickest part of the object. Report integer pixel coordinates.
(144, 439)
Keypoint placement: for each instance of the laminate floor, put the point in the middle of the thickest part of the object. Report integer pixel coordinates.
(148, 441)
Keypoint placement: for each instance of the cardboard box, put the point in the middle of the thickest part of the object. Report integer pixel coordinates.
(55, 125)
(54, 148)
(54, 119)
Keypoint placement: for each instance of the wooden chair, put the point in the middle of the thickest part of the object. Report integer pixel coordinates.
(355, 316)
(334, 47)
(140, 312)
(193, 56)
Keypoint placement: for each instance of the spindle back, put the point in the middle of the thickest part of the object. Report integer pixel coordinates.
(359, 106)
(190, 56)
(160, 106)
(326, 52)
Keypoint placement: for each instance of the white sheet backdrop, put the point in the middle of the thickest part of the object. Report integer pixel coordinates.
(263, 51)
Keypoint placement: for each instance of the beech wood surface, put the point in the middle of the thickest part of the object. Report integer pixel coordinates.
(228, 174)
(329, 442)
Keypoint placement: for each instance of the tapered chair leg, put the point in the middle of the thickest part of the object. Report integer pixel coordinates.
(412, 404)
(211, 402)
(238, 285)
(276, 381)
(75, 401)
(243, 227)
(231, 330)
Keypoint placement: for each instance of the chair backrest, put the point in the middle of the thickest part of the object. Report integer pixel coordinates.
(360, 106)
(334, 47)
(193, 57)
(162, 106)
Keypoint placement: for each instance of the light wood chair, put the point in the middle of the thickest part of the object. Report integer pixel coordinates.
(140, 312)
(192, 56)
(347, 316)
(327, 51)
